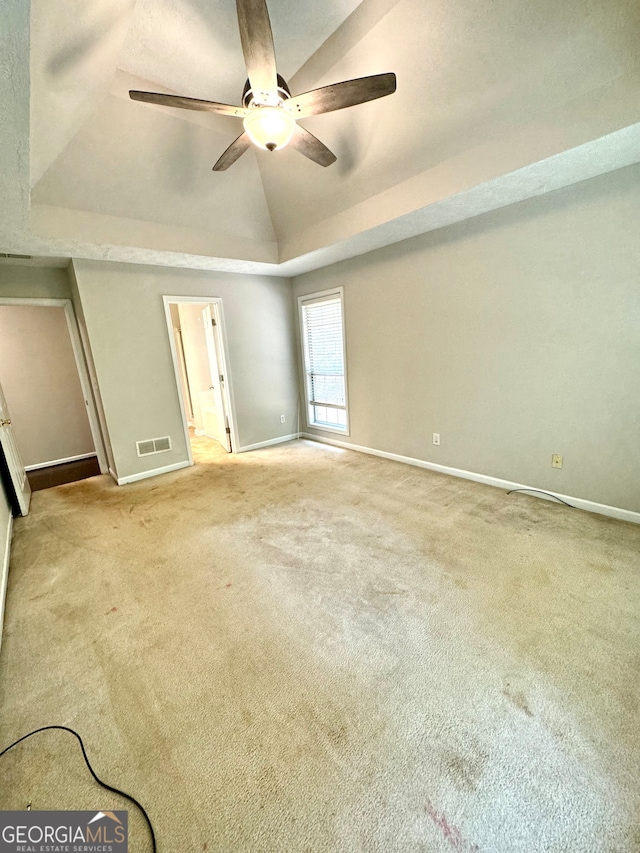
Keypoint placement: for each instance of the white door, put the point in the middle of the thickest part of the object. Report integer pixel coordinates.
(216, 417)
(14, 463)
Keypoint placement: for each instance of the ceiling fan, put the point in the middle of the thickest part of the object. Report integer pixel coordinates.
(269, 112)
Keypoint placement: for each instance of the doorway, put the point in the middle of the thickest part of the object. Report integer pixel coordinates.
(198, 348)
(47, 387)
(13, 476)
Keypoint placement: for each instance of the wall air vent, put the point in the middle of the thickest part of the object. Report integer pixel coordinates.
(16, 257)
(153, 445)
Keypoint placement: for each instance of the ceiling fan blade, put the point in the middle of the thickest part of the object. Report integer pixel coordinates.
(233, 152)
(187, 103)
(257, 46)
(341, 95)
(306, 143)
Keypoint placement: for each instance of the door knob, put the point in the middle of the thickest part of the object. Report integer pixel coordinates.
(4, 422)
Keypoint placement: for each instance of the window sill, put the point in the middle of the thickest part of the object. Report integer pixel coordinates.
(323, 428)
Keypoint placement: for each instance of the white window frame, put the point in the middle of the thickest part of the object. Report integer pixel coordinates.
(319, 296)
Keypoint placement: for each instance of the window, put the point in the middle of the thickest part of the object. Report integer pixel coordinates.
(322, 330)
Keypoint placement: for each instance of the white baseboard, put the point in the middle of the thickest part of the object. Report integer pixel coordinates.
(60, 461)
(133, 478)
(199, 432)
(271, 441)
(4, 573)
(578, 503)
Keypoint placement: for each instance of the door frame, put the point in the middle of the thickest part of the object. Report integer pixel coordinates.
(212, 341)
(81, 365)
(229, 402)
(18, 493)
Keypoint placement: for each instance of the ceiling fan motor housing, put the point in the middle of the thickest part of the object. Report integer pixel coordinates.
(282, 94)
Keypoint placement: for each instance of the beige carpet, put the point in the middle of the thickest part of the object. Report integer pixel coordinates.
(308, 649)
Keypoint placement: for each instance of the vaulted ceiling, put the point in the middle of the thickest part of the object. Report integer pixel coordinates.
(497, 100)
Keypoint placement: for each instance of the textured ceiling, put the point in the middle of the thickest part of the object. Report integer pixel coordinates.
(497, 100)
(201, 38)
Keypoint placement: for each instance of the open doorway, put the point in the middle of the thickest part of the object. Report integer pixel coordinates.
(42, 370)
(198, 347)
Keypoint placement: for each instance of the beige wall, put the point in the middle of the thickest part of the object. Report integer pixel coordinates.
(124, 315)
(515, 335)
(40, 379)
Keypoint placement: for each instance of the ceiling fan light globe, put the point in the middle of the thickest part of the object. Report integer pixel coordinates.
(269, 127)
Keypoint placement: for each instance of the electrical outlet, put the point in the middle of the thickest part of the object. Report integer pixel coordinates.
(556, 461)
(436, 438)
(282, 419)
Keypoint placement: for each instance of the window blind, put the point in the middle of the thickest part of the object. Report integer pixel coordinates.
(324, 352)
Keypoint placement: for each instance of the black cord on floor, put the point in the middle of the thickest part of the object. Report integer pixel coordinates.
(540, 491)
(91, 770)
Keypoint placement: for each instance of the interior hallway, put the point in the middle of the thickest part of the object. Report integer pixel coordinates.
(308, 649)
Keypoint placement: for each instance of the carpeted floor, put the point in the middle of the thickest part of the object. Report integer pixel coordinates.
(308, 649)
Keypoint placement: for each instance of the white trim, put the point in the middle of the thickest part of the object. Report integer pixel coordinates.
(199, 432)
(578, 503)
(60, 461)
(4, 573)
(167, 300)
(85, 383)
(315, 298)
(229, 399)
(328, 428)
(227, 386)
(113, 474)
(321, 295)
(81, 365)
(133, 478)
(269, 443)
